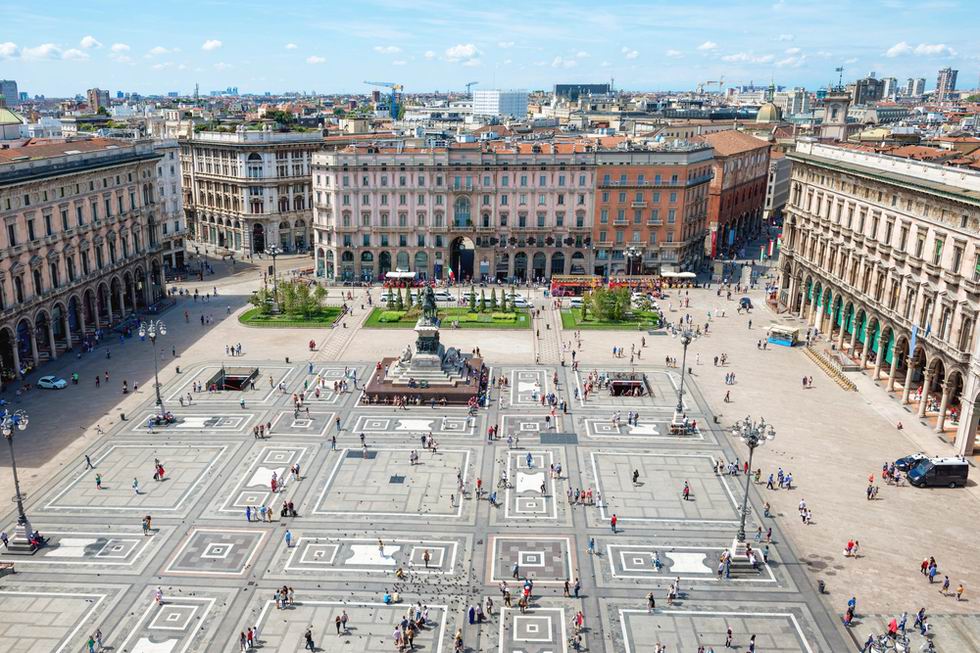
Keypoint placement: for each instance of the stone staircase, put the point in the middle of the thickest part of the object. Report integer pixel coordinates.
(830, 367)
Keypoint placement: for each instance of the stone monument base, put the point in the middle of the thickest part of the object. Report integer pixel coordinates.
(451, 389)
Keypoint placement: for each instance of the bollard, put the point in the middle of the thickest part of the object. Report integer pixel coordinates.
(821, 587)
(287, 359)
(122, 416)
(178, 369)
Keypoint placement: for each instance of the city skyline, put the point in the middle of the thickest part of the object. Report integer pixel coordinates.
(429, 45)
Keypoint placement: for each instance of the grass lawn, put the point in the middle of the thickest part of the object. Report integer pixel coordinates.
(571, 319)
(382, 318)
(324, 319)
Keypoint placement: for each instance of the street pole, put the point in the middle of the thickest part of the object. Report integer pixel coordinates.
(740, 536)
(20, 543)
(273, 251)
(754, 435)
(151, 329)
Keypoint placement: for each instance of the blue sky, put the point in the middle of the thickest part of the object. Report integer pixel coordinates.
(62, 47)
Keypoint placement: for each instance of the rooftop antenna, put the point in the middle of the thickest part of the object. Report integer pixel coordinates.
(840, 77)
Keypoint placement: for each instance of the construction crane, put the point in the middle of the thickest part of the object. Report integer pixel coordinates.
(469, 86)
(393, 98)
(720, 82)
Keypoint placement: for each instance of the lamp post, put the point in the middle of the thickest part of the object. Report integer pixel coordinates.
(151, 329)
(753, 434)
(274, 251)
(21, 541)
(687, 337)
(632, 254)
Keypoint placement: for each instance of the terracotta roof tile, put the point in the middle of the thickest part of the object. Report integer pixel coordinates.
(59, 147)
(728, 142)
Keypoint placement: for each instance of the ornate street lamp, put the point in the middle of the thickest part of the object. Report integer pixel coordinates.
(632, 256)
(274, 251)
(687, 337)
(753, 434)
(151, 329)
(21, 541)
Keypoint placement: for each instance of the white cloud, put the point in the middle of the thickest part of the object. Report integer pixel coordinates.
(792, 62)
(851, 60)
(387, 49)
(211, 44)
(43, 51)
(74, 54)
(933, 49)
(399, 62)
(505, 44)
(708, 45)
(674, 54)
(89, 42)
(921, 50)
(314, 59)
(605, 64)
(158, 50)
(461, 51)
(8, 49)
(559, 62)
(748, 57)
(221, 65)
(629, 53)
(785, 37)
(793, 50)
(507, 62)
(471, 63)
(582, 54)
(898, 49)
(119, 47)
(429, 54)
(161, 66)
(291, 46)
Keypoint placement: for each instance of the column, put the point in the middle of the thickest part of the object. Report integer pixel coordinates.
(108, 302)
(34, 346)
(882, 350)
(132, 294)
(146, 288)
(943, 405)
(854, 336)
(52, 345)
(791, 296)
(95, 308)
(16, 347)
(891, 372)
(906, 390)
(966, 434)
(926, 382)
(866, 350)
(815, 312)
(122, 302)
(843, 331)
(67, 327)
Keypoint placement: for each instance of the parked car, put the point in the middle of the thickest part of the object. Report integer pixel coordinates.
(906, 463)
(52, 383)
(520, 302)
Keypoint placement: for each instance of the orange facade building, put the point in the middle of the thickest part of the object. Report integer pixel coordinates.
(650, 208)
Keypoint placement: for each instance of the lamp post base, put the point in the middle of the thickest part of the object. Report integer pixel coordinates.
(20, 543)
(739, 555)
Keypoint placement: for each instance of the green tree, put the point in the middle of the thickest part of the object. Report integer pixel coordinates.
(282, 117)
(472, 299)
(585, 306)
(262, 300)
(503, 301)
(609, 305)
(399, 302)
(390, 304)
(493, 299)
(483, 301)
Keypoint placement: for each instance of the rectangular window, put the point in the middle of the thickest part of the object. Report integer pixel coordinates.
(64, 219)
(604, 216)
(12, 237)
(30, 230)
(937, 255)
(540, 220)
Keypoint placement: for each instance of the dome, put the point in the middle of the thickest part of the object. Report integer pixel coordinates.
(768, 112)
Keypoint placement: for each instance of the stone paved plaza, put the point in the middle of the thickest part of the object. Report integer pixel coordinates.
(371, 520)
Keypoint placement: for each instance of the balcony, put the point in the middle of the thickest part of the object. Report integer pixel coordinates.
(951, 278)
(638, 205)
(655, 223)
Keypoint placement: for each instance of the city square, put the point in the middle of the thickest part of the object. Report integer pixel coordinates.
(386, 515)
(544, 346)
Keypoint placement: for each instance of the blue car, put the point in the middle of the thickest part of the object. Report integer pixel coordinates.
(908, 462)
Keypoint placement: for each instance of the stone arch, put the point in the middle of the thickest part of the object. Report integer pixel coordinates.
(520, 266)
(401, 260)
(557, 263)
(578, 263)
(26, 345)
(539, 265)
